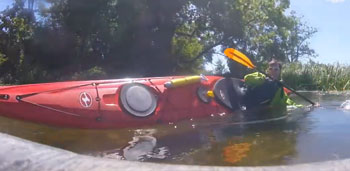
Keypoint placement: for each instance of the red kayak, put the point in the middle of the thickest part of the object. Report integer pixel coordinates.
(118, 103)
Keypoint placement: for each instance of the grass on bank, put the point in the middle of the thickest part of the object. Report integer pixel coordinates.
(316, 76)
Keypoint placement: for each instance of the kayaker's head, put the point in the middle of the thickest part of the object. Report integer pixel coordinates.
(274, 69)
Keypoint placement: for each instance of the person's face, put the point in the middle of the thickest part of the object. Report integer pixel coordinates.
(274, 71)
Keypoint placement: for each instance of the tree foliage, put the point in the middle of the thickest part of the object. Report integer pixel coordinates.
(297, 42)
(62, 39)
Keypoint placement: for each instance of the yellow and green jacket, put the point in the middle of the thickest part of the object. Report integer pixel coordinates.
(256, 82)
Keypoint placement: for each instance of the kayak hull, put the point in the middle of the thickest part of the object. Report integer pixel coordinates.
(98, 103)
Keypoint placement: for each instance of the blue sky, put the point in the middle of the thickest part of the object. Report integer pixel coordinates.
(329, 17)
(5, 3)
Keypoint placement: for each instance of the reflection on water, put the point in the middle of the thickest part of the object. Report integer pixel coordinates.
(142, 147)
(346, 105)
(301, 136)
(236, 152)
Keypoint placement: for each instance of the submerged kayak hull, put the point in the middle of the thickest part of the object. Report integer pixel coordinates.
(110, 103)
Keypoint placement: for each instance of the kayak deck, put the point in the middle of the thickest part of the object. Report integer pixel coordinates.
(112, 103)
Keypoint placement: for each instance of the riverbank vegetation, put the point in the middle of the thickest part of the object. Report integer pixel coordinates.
(56, 40)
(317, 76)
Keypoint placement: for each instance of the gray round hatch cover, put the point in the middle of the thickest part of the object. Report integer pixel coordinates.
(138, 100)
(229, 92)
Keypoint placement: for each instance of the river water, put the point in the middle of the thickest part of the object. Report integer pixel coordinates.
(300, 136)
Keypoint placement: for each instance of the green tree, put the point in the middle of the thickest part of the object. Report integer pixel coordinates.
(297, 42)
(16, 29)
(143, 37)
(269, 32)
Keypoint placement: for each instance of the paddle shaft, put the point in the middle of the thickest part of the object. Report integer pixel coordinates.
(287, 87)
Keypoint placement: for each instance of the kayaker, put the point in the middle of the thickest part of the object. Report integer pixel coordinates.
(264, 91)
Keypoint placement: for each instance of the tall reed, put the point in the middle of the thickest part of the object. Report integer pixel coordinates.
(317, 76)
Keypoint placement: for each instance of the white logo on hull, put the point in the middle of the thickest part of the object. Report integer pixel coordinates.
(85, 99)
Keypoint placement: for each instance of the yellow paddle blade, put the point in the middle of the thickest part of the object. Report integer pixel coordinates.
(239, 57)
